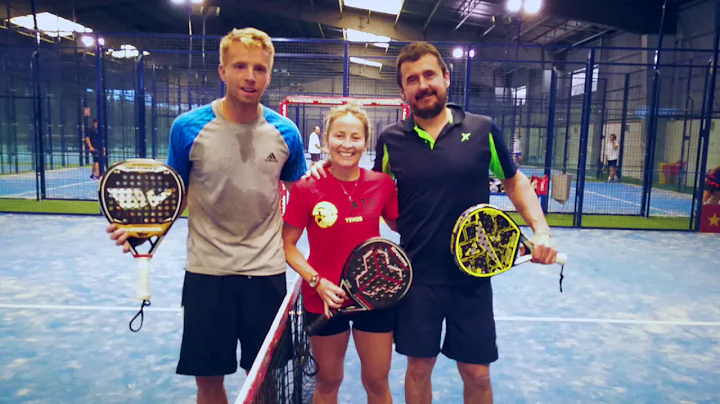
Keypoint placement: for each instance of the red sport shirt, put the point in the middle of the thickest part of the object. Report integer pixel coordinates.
(335, 225)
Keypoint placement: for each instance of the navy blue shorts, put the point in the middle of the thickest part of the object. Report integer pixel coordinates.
(368, 321)
(470, 324)
(711, 185)
(219, 311)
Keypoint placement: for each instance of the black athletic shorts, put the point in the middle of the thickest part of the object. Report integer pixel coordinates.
(220, 310)
(612, 163)
(711, 185)
(95, 157)
(368, 321)
(470, 325)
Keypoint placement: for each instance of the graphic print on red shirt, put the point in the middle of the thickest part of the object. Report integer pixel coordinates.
(338, 215)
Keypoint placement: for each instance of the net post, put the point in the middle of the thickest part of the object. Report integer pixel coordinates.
(37, 88)
(140, 109)
(584, 134)
(100, 104)
(568, 118)
(468, 76)
(346, 70)
(623, 125)
(153, 114)
(705, 131)
(549, 139)
(652, 123)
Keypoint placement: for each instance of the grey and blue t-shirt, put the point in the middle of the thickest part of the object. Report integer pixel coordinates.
(233, 173)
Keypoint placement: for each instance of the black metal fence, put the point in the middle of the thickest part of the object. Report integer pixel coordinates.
(556, 114)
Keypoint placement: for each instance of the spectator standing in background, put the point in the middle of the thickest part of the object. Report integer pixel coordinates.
(517, 149)
(612, 154)
(93, 142)
(314, 144)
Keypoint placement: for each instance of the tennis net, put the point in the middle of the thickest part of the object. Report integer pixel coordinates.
(284, 369)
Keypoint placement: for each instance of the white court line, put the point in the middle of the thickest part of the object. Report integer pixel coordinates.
(630, 202)
(31, 174)
(608, 321)
(497, 318)
(87, 308)
(48, 189)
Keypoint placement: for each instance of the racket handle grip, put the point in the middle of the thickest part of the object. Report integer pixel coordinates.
(143, 278)
(561, 259)
(316, 325)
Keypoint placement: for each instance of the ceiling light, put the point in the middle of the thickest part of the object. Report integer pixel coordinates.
(514, 5)
(379, 6)
(365, 62)
(359, 36)
(50, 24)
(457, 53)
(88, 40)
(532, 6)
(472, 53)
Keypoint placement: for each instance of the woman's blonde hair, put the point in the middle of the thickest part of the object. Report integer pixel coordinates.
(353, 108)
(250, 37)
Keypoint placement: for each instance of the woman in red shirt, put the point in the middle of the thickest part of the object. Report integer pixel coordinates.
(339, 212)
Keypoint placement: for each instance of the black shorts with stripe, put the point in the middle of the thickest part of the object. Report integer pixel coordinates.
(470, 335)
(219, 311)
(711, 185)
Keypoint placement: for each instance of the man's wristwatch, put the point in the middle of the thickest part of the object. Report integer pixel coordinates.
(314, 281)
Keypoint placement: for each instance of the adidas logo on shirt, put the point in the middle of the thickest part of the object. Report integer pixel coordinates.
(271, 158)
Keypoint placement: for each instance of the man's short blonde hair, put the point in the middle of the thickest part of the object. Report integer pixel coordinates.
(250, 37)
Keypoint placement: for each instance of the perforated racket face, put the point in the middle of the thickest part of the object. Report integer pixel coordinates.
(377, 274)
(142, 196)
(502, 234)
(484, 241)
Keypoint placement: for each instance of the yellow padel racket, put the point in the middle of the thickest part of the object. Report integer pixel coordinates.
(143, 197)
(486, 242)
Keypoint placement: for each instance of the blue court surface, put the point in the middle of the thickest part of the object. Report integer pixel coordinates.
(638, 322)
(612, 199)
(63, 183)
(599, 198)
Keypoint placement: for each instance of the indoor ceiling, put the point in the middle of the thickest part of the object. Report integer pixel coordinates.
(560, 22)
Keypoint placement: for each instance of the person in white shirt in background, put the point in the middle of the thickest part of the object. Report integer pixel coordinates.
(314, 144)
(612, 154)
(517, 149)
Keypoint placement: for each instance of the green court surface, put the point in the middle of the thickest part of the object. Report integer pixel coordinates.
(555, 220)
(50, 206)
(615, 221)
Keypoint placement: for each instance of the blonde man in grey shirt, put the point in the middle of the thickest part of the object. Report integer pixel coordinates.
(232, 155)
